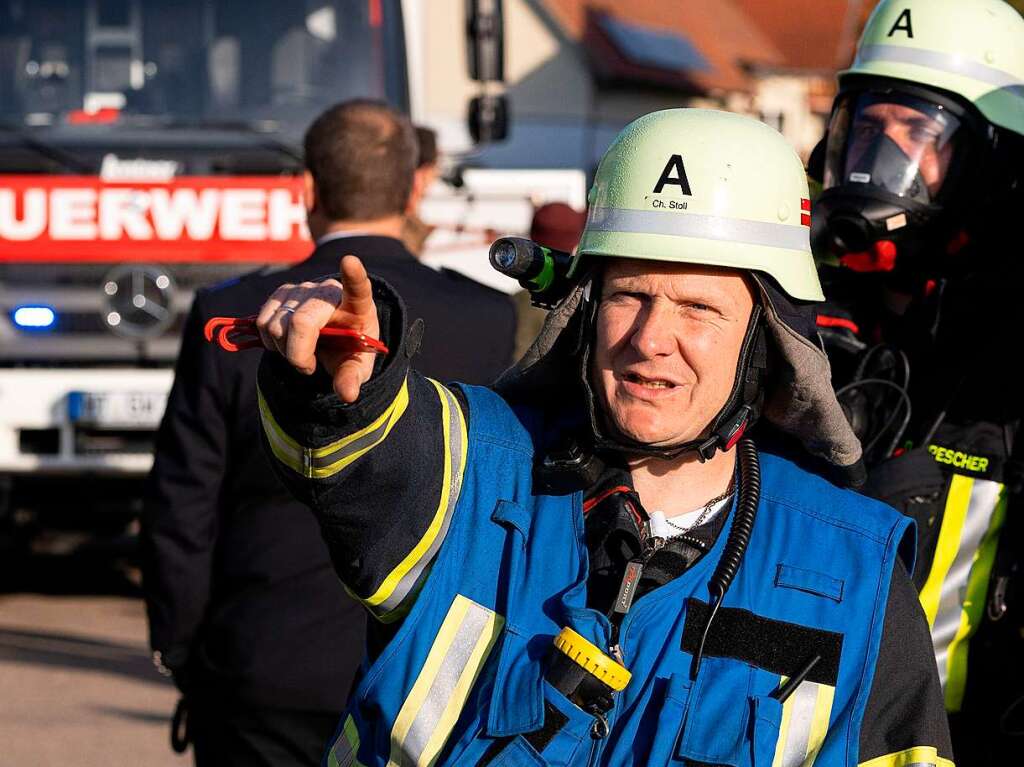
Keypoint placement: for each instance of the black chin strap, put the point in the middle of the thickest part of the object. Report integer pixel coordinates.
(741, 409)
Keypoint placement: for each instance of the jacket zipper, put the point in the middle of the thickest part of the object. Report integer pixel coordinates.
(651, 544)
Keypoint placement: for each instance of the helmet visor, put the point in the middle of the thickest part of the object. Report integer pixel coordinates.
(901, 144)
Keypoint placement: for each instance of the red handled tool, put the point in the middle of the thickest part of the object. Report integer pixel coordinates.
(236, 333)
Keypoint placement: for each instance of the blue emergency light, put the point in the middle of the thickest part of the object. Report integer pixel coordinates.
(34, 317)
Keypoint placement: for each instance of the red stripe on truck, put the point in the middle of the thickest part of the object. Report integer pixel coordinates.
(250, 219)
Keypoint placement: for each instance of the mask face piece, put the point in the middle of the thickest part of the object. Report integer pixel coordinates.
(895, 143)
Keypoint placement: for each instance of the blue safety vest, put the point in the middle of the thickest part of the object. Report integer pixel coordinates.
(461, 683)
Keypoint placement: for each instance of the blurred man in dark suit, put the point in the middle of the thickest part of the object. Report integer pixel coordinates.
(244, 608)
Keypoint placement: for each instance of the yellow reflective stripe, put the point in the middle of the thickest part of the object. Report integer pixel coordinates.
(343, 752)
(399, 403)
(949, 542)
(973, 606)
(787, 716)
(285, 449)
(460, 649)
(347, 450)
(918, 756)
(399, 612)
(804, 725)
(454, 434)
(819, 724)
(321, 462)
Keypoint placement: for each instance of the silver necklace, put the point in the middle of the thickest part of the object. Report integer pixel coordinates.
(704, 514)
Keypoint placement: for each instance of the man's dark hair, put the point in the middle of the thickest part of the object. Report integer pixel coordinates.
(362, 155)
(426, 138)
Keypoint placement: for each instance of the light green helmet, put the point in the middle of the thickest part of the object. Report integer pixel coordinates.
(972, 48)
(705, 187)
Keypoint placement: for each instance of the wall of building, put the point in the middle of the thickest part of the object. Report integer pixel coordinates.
(783, 101)
(547, 82)
(560, 117)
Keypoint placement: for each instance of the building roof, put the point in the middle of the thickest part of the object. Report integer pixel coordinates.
(811, 34)
(653, 47)
(703, 44)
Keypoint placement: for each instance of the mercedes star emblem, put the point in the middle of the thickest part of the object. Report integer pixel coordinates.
(137, 300)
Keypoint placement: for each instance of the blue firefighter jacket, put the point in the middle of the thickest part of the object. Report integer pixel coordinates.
(461, 682)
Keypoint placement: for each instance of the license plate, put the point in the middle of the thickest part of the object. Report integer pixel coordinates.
(117, 410)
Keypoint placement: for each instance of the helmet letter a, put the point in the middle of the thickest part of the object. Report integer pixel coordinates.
(675, 163)
(902, 24)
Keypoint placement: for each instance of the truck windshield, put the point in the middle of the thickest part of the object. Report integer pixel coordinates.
(269, 63)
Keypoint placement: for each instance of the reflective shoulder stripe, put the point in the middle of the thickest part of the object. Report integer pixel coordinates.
(458, 654)
(953, 517)
(954, 593)
(322, 462)
(398, 584)
(805, 719)
(943, 62)
(973, 604)
(962, 603)
(285, 449)
(346, 747)
(918, 756)
(699, 225)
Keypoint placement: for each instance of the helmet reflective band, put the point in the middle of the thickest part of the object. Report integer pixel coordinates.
(903, 145)
(704, 187)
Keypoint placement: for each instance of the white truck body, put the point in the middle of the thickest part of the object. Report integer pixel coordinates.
(84, 399)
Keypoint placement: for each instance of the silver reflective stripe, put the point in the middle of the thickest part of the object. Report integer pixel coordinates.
(455, 660)
(700, 226)
(278, 444)
(435, 701)
(944, 62)
(801, 720)
(365, 441)
(984, 499)
(453, 483)
(345, 747)
(343, 752)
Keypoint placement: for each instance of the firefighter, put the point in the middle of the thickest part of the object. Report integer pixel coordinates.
(922, 174)
(594, 562)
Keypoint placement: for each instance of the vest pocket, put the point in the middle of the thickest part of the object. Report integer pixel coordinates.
(517, 753)
(767, 714)
(556, 742)
(707, 722)
(566, 728)
(517, 702)
(716, 727)
(523, 706)
(677, 691)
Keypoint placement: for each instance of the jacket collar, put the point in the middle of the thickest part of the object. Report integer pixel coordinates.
(371, 248)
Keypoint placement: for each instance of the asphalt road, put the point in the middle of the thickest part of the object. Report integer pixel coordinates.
(76, 684)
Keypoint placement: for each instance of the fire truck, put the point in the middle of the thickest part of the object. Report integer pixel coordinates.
(150, 148)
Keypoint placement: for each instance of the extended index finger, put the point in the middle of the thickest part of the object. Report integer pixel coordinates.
(357, 287)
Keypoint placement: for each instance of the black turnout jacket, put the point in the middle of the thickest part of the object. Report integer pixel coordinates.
(240, 592)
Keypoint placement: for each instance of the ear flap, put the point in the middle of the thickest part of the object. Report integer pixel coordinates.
(550, 361)
(800, 400)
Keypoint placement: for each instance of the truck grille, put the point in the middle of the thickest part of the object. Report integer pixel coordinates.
(81, 334)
